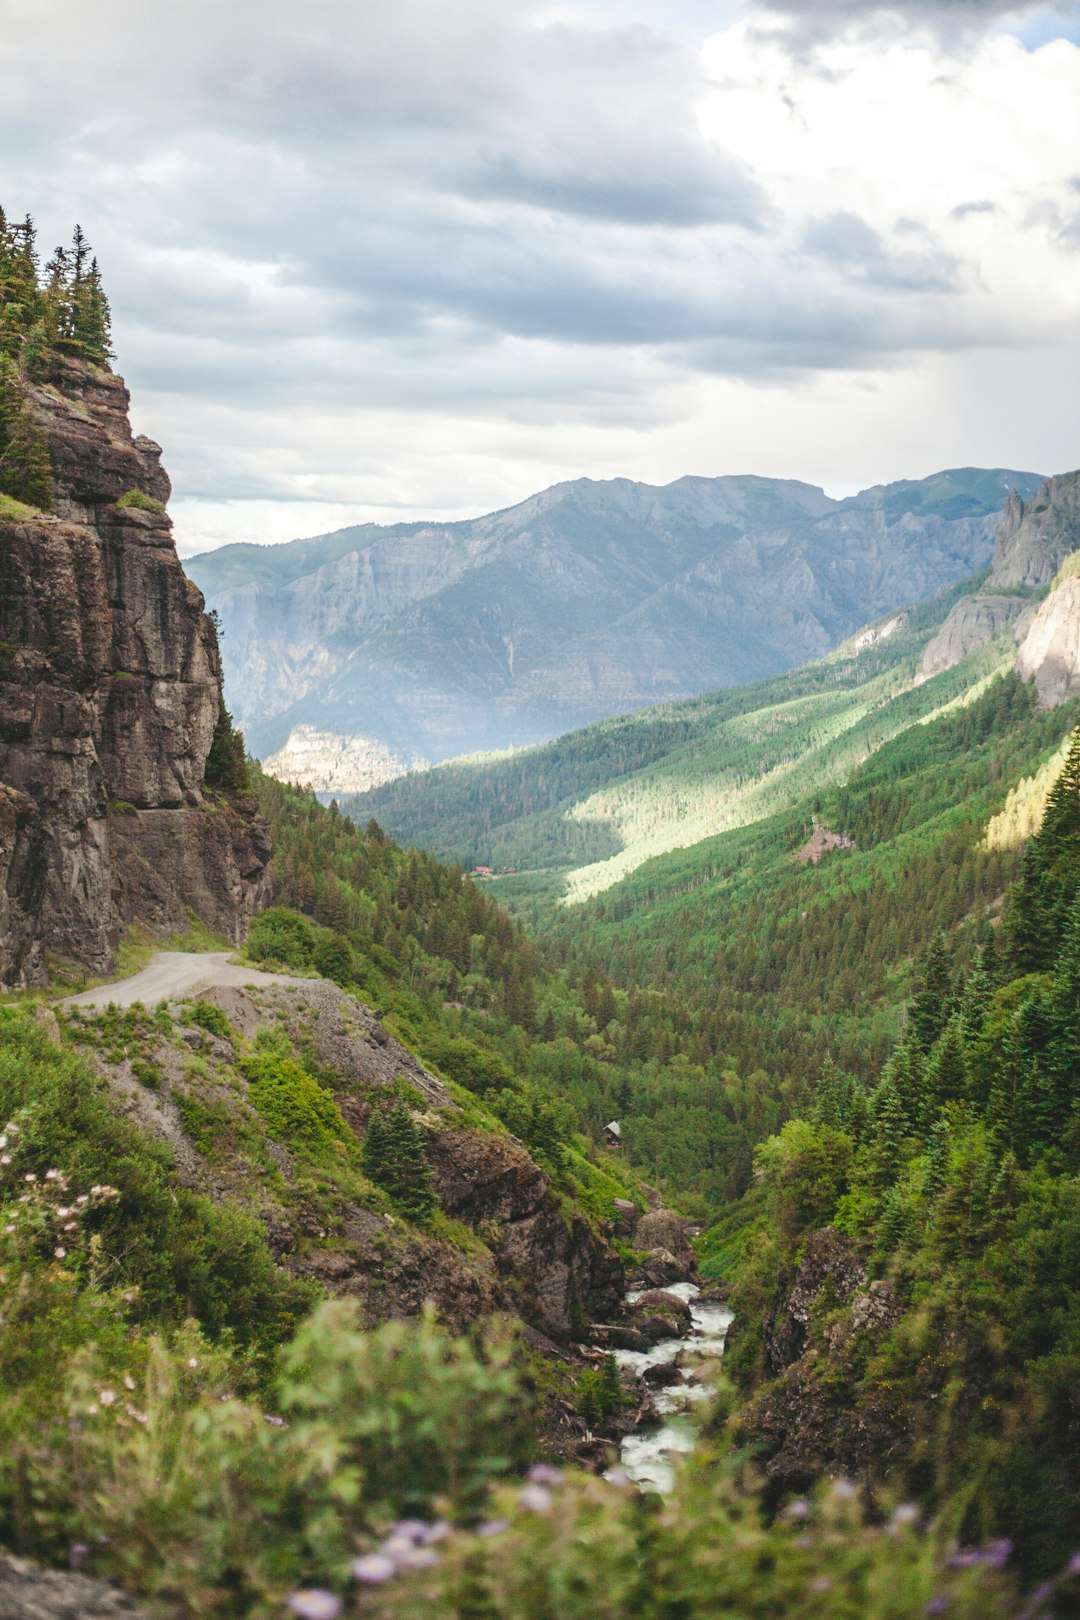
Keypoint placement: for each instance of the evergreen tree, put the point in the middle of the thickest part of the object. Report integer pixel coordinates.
(930, 1006)
(25, 472)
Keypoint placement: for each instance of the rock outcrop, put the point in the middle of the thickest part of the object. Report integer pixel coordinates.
(1033, 539)
(1036, 536)
(1049, 654)
(110, 684)
(973, 622)
(529, 1254)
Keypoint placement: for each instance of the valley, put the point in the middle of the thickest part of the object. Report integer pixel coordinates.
(379, 1235)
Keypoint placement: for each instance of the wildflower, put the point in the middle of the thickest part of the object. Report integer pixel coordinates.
(823, 1583)
(437, 1531)
(938, 1603)
(845, 1489)
(30, 1176)
(798, 1509)
(59, 1252)
(274, 1421)
(71, 1226)
(544, 1474)
(129, 1382)
(617, 1476)
(63, 1210)
(78, 1553)
(1073, 1566)
(315, 1604)
(3, 1140)
(52, 1175)
(193, 1361)
(106, 1397)
(413, 1530)
(373, 1569)
(996, 1554)
(5, 1158)
(492, 1527)
(419, 1558)
(396, 1547)
(536, 1498)
(133, 1412)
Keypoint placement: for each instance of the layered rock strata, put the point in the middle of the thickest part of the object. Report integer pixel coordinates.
(110, 683)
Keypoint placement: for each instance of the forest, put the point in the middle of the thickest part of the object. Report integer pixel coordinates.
(45, 314)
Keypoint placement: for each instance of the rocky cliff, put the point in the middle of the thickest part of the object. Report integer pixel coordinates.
(110, 684)
(1049, 653)
(589, 599)
(1033, 539)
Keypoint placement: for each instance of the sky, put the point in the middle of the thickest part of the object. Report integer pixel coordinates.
(375, 262)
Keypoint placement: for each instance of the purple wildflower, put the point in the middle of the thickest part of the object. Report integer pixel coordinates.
(938, 1603)
(996, 1554)
(373, 1569)
(492, 1527)
(797, 1509)
(78, 1554)
(419, 1558)
(544, 1474)
(414, 1530)
(315, 1604)
(1073, 1566)
(536, 1498)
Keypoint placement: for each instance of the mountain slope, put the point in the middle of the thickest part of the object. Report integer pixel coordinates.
(586, 600)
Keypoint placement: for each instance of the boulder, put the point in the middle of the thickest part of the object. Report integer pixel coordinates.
(659, 1269)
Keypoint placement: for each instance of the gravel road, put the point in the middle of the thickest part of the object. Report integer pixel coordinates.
(172, 974)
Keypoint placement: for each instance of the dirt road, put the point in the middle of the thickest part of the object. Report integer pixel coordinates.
(172, 974)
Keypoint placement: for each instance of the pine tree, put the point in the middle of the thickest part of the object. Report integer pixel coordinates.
(931, 1003)
(611, 1390)
(376, 1156)
(25, 472)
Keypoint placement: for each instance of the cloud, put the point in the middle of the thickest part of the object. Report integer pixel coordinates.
(347, 244)
(808, 23)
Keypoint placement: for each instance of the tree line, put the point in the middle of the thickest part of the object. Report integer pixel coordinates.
(46, 313)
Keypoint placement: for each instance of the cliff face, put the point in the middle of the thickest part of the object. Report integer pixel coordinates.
(1033, 539)
(109, 693)
(1049, 654)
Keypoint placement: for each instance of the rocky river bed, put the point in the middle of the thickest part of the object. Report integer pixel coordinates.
(678, 1368)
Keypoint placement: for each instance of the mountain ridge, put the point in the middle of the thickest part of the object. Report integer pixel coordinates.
(590, 598)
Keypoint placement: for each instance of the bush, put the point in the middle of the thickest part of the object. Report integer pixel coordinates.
(279, 937)
(297, 1111)
(140, 501)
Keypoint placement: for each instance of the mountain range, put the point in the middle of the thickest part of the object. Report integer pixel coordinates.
(355, 655)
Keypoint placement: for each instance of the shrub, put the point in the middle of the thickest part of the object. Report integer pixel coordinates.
(140, 501)
(282, 938)
(297, 1111)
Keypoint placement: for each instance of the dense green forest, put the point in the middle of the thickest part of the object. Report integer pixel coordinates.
(175, 1416)
(45, 314)
(951, 1178)
(714, 985)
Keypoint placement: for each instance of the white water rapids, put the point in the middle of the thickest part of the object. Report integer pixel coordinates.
(647, 1454)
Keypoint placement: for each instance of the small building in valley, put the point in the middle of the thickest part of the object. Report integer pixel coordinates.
(612, 1133)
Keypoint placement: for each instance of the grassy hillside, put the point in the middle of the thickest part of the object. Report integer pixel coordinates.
(588, 808)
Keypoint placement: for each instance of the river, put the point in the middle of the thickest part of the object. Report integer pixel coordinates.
(648, 1454)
